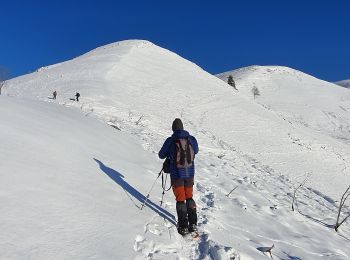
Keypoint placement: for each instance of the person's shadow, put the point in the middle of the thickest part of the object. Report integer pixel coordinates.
(132, 192)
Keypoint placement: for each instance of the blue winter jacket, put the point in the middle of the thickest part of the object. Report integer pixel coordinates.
(168, 150)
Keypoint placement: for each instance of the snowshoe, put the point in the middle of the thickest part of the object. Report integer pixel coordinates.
(192, 228)
(182, 231)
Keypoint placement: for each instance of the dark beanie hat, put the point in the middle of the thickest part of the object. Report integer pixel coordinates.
(177, 125)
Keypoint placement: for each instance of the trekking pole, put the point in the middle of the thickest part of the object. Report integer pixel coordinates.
(164, 188)
(143, 204)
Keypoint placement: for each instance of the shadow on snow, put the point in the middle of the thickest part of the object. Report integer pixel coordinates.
(132, 192)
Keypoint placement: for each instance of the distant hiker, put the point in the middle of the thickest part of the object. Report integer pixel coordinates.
(77, 95)
(181, 148)
(54, 94)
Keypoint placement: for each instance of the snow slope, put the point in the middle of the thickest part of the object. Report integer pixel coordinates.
(71, 188)
(244, 148)
(298, 98)
(343, 83)
(69, 184)
(317, 109)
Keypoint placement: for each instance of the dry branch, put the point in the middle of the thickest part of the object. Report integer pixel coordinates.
(228, 194)
(138, 121)
(295, 191)
(341, 205)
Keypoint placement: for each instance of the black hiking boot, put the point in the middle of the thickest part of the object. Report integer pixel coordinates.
(191, 212)
(182, 231)
(192, 228)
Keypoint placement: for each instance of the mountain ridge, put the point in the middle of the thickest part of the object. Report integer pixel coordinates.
(305, 96)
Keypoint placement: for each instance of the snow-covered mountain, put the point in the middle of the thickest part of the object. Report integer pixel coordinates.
(344, 83)
(141, 88)
(257, 151)
(297, 97)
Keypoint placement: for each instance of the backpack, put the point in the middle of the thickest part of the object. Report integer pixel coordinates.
(184, 153)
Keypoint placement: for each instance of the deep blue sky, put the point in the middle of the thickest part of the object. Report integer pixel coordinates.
(311, 36)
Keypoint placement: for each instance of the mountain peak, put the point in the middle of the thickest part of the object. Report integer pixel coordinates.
(263, 69)
(127, 43)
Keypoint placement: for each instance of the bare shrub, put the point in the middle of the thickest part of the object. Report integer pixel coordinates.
(343, 199)
(296, 189)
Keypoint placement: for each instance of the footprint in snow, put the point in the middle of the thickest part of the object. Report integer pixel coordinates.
(154, 229)
(138, 241)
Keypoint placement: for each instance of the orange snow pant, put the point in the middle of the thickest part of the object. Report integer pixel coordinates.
(182, 188)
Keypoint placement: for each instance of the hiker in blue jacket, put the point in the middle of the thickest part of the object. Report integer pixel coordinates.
(181, 148)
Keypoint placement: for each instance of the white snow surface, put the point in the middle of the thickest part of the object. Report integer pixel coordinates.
(56, 200)
(71, 186)
(343, 83)
(317, 113)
